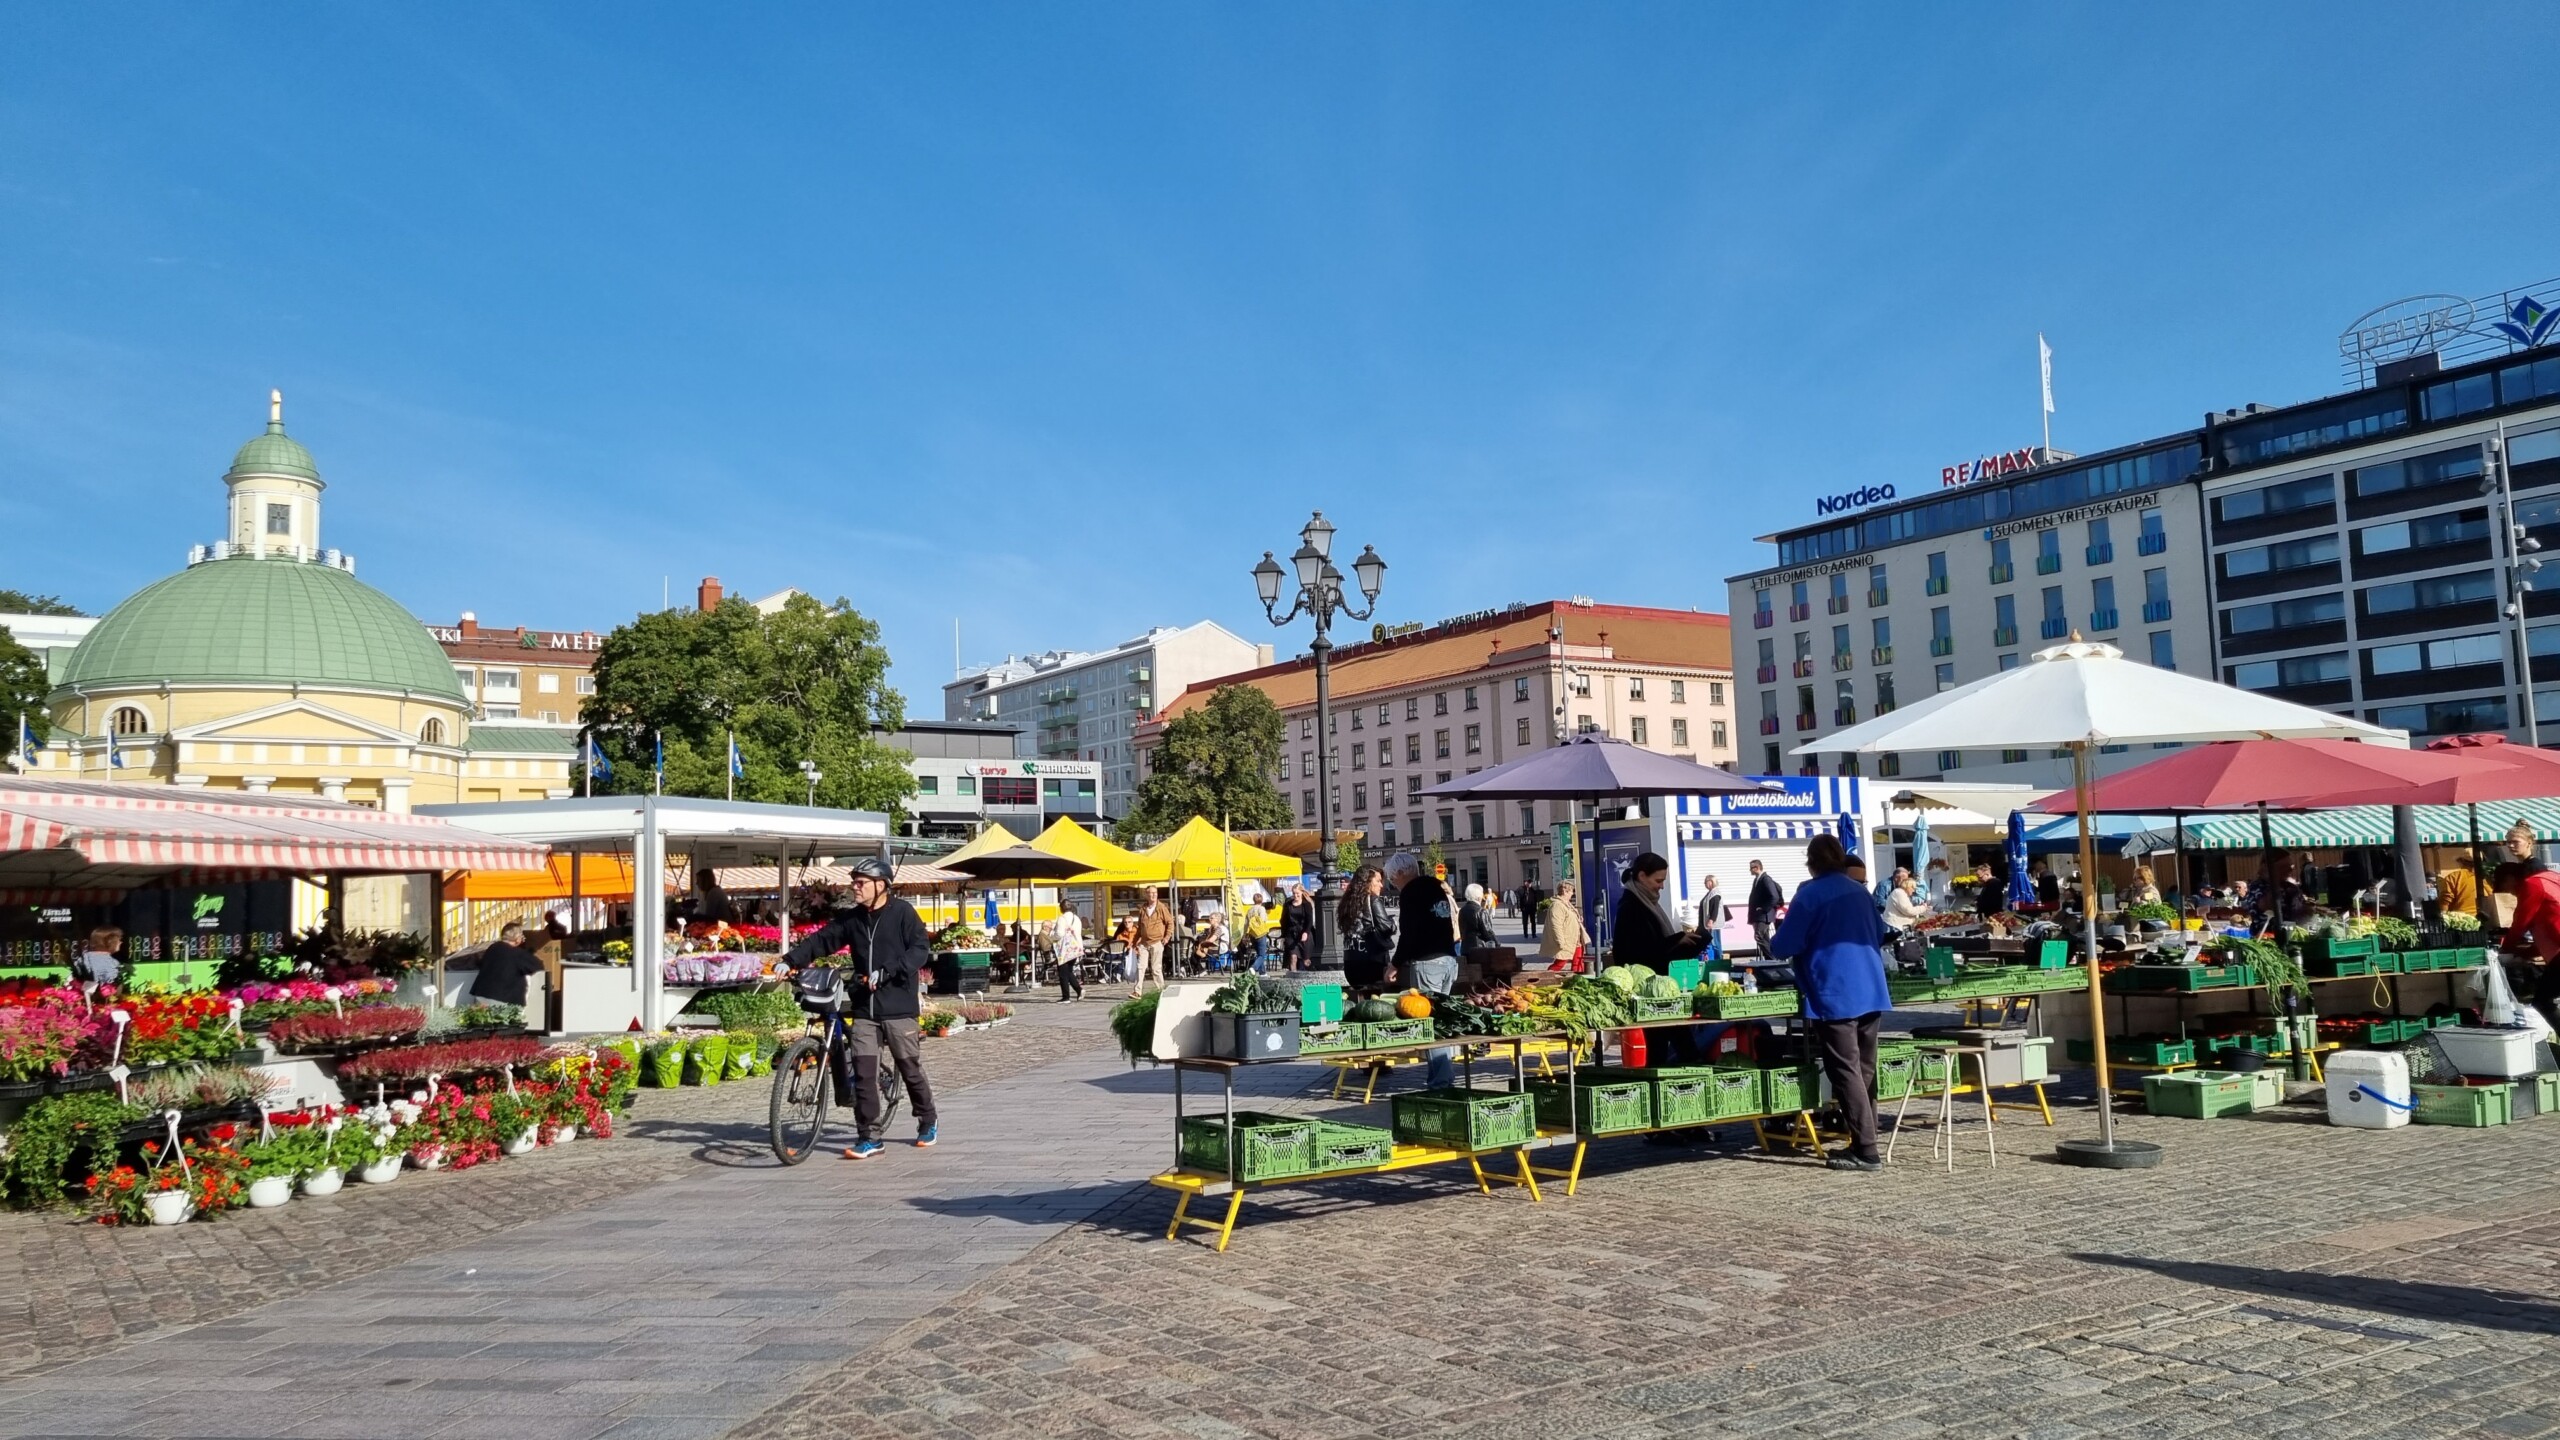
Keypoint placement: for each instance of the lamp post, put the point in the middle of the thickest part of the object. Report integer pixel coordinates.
(1321, 596)
(810, 772)
(2520, 565)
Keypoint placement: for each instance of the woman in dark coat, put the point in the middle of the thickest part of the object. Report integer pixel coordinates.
(1644, 933)
(1368, 924)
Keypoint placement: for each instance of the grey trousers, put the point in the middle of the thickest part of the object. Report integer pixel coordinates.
(904, 1045)
(1849, 1058)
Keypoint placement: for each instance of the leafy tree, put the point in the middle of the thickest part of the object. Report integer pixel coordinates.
(19, 602)
(1346, 855)
(22, 691)
(809, 682)
(1215, 761)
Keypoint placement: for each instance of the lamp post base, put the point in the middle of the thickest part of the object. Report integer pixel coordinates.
(2098, 1155)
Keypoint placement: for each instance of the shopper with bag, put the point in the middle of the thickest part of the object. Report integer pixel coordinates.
(1561, 937)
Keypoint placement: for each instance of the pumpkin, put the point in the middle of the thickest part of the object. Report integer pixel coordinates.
(1414, 1005)
(1372, 1009)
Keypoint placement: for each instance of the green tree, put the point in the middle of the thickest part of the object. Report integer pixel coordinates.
(1216, 761)
(22, 691)
(19, 602)
(809, 682)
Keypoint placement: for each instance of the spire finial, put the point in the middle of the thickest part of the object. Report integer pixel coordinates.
(275, 412)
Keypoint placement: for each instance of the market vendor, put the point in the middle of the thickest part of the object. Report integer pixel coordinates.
(1646, 932)
(504, 967)
(1836, 938)
(98, 964)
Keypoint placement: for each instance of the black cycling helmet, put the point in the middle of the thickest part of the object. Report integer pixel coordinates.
(875, 868)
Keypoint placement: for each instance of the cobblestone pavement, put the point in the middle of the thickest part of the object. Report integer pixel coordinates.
(2277, 1278)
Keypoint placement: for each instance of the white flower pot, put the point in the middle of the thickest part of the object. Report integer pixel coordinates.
(169, 1207)
(269, 1191)
(324, 1182)
(522, 1143)
(429, 1158)
(563, 1134)
(381, 1172)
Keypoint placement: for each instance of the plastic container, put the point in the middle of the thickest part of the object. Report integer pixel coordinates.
(2466, 1105)
(2203, 1096)
(1602, 1108)
(1465, 1119)
(2479, 1051)
(1320, 1005)
(1267, 1146)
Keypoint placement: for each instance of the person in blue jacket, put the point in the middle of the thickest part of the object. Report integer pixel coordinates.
(1836, 939)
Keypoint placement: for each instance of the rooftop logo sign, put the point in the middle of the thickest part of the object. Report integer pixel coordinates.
(1849, 500)
(2454, 330)
(1989, 467)
(2529, 322)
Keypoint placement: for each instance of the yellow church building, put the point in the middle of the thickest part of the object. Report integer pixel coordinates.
(267, 666)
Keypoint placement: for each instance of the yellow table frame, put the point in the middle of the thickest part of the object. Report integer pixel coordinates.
(1190, 1185)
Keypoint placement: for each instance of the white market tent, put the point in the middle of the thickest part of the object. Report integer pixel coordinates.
(650, 828)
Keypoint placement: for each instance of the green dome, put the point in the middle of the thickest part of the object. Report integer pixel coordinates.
(259, 620)
(274, 453)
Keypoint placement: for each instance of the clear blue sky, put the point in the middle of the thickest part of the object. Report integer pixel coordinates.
(1053, 318)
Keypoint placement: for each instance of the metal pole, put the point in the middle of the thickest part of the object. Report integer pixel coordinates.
(2082, 792)
(1329, 884)
(2518, 583)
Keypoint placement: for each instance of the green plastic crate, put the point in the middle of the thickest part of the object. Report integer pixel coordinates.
(1686, 1100)
(2266, 1086)
(2337, 967)
(1930, 1070)
(1786, 1089)
(1893, 1077)
(2136, 1050)
(2546, 1094)
(2204, 1096)
(2468, 1105)
(1351, 1147)
(1395, 1032)
(2383, 962)
(2050, 954)
(1747, 1007)
(1607, 1107)
(2183, 977)
(2469, 958)
(1267, 1146)
(1733, 1094)
(1466, 1119)
(1687, 972)
(1332, 1040)
(1668, 1007)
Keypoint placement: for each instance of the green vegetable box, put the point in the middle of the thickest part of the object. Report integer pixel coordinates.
(1466, 1119)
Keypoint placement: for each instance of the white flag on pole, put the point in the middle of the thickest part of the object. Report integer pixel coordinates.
(2044, 356)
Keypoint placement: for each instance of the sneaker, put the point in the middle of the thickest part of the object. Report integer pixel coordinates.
(863, 1149)
(1843, 1160)
(926, 1136)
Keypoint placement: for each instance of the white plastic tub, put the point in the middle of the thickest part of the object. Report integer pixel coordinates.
(2368, 1089)
(2507, 1053)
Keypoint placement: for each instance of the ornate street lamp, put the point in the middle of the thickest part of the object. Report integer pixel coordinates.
(1321, 595)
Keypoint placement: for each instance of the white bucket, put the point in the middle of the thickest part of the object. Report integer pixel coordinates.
(2368, 1089)
(2473, 1051)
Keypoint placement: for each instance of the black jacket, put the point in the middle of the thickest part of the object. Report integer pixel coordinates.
(503, 970)
(1637, 938)
(1423, 931)
(1766, 897)
(1475, 927)
(889, 948)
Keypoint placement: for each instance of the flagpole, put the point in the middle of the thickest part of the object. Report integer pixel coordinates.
(2044, 363)
(732, 766)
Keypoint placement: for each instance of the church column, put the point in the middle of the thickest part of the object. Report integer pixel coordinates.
(395, 795)
(333, 787)
(257, 784)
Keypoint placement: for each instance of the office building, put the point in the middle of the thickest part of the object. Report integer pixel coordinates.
(969, 773)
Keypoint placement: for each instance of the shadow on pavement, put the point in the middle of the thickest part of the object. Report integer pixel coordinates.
(2414, 1299)
(1137, 1211)
(732, 1144)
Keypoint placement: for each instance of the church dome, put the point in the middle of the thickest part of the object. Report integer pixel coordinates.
(251, 620)
(274, 453)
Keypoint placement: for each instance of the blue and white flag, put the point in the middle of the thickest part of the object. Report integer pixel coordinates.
(593, 754)
(28, 744)
(115, 756)
(737, 767)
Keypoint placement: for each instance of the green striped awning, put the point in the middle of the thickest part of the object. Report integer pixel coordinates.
(2354, 826)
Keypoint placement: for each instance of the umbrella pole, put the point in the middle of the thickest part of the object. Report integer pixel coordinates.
(2089, 922)
(2178, 823)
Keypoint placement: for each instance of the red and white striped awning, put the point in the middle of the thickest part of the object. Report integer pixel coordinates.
(71, 835)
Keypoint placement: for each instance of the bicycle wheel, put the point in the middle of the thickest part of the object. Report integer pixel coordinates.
(893, 1094)
(802, 1090)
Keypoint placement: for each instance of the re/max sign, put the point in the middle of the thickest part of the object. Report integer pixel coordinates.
(1988, 467)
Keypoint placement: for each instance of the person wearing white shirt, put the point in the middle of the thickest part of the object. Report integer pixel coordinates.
(1066, 943)
(1903, 907)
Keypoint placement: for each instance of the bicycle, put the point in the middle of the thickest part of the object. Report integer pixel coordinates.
(804, 1073)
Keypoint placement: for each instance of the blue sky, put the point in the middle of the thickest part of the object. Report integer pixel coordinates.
(1052, 318)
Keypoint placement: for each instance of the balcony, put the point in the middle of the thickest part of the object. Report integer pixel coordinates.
(2154, 611)
(1938, 584)
(1768, 724)
(1942, 645)
(2002, 574)
(1881, 655)
(2048, 564)
(1053, 722)
(2101, 621)
(2154, 543)
(1766, 674)
(2102, 554)
(2054, 627)
(1843, 660)
(1058, 695)
(1879, 597)
(1844, 715)
(1885, 705)
(1837, 605)
(1800, 612)
(2004, 635)
(1804, 668)
(1140, 674)
(1763, 619)
(1807, 721)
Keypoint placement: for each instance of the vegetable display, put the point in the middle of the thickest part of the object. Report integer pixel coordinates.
(1251, 994)
(1371, 1009)
(1133, 1022)
(1413, 1005)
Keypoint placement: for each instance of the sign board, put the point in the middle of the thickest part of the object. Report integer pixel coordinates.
(1848, 500)
(1990, 467)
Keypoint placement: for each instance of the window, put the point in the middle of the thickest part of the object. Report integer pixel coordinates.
(1359, 756)
(1528, 822)
(1382, 714)
(928, 784)
(2426, 594)
(1679, 733)
(1391, 835)
(1307, 763)
(1941, 629)
(2445, 467)
(965, 785)
(126, 720)
(1475, 739)
(1475, 824)
(1471, 697)
(2421, 533)
(1635, 687)
(1355, 719)
(1440, 703)
(1520, 689)
(431, 733)
(2465, 396)
(2155, 587)
(1768, 653)
(1759, 602)
(2319, 492)
(2102, 602)
(1386, 793)
(1839, 641)
(2286, 614)
(1937, 572)
(1306, 729)
(2004, 618)
(1413, 707)
(1333, 724)
(1448, 825)
(1360, 798)
(1718, 737)
(2054, 622)
(586, 684)
(1440, 744)
(1838, 600)
(1679, 692)
(2446, 717)
(1950, 759)
(1769, 760)
(2443, 654)
(1878, 591)
(2048, 551)
(1946, 677)
(1804, 654)
(1583, 725)
(2009, 661)
(1413, 748)
(497, 712)
(550, 717)
(1307, 802)
(2298, 670)
(1636, 730)
(470, 683)
(547, 683)
(2155, 533)
(2102, 545)
(1715, 692)
(1888, 764)
(2003, 568)
(2163, 653)
(1882, 629)
(1520, 732)
(1884, 691)
(1284, 764)
(279, 519)
(1051, 787)
(2284, 555)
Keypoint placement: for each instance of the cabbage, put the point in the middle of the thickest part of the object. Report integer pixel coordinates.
(1662, 987)
(1626, 977)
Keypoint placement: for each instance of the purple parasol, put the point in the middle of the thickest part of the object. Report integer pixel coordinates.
(1595, 767)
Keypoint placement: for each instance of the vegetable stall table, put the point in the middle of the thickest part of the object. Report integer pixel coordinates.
(1253, 1160)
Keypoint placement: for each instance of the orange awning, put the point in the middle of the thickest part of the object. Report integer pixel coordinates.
(600, 877)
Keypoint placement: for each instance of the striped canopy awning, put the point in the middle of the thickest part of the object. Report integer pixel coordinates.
(754, 879)
(63, 835)
(1709, 831)
(2360, 825)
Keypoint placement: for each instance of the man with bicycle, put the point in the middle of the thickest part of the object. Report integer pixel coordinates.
(888, 947)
